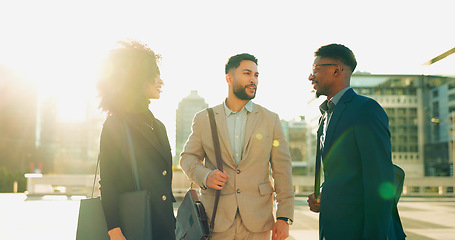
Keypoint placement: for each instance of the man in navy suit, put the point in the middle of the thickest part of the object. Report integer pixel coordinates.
(354, 150)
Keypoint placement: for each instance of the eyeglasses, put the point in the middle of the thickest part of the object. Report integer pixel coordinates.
(322, 65)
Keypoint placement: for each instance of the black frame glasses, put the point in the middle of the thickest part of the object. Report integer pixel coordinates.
(324, 64)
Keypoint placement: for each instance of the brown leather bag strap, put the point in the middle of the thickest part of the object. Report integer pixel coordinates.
(219, 163)
(216, 141)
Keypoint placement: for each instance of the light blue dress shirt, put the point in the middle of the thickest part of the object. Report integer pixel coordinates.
(235, 124)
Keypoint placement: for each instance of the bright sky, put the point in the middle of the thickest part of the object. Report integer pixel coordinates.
(60, 43)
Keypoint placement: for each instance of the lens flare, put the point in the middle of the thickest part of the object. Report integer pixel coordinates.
(276, 143)
(258, 136)
(387, 190)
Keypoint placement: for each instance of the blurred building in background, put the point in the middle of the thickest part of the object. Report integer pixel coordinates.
(300, 140)
(46, 140)
(420, 110)
(68, 146)
(18, 110)
(185, 112)
(34, 139)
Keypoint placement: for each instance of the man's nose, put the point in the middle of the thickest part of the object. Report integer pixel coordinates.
(311, 77)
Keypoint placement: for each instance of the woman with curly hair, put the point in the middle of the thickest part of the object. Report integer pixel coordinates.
(130, 78)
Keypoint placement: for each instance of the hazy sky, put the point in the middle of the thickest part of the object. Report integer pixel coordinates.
(60, 43)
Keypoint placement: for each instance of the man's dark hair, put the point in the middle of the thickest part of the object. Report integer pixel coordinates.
(338, 52)
(234, 61)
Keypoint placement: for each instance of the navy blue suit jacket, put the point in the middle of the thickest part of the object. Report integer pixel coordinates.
(357, 193)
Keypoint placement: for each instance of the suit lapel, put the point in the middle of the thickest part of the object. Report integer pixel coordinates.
(336, 115)
(252, 119)
(220, 119)
(160, 138)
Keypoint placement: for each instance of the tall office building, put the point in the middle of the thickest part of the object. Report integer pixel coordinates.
(419, 109)
(68, 146)
(440, 148)
(47, 134)
(186, 110)
(18, 106)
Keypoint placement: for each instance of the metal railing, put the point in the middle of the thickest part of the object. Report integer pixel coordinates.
(412, 187)
(67, 184)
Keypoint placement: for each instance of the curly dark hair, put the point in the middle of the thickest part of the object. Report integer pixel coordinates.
(234, 61)
(338, 52)
(124, 73)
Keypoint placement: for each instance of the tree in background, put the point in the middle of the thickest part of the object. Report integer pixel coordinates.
(7, 181)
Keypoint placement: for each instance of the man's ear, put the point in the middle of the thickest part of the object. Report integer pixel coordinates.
(228, 79)
(338, 70)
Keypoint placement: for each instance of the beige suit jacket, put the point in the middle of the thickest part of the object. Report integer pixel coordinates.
(249, 188)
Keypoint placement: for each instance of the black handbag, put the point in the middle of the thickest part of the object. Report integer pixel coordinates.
(192, 222)
(134, 209)
(91, 222)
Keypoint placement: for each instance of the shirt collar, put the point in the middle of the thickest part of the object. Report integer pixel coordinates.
(338, 96)
(248, 106)
(329, 105)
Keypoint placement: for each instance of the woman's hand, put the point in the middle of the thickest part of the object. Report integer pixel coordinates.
(116, 234)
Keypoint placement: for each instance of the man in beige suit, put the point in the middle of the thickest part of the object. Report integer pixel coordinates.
(252, 142)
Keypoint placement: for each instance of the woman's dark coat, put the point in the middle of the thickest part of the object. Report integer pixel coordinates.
(154, 164)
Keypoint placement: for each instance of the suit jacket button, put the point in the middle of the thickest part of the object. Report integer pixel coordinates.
(164, 173)
(238, 190)
(163, 197)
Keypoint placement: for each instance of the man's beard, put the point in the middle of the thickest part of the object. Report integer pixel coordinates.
(240, 91)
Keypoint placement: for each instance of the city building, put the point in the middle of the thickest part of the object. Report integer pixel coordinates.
(46, 133)
(420, 110)
(440, 149)
(299, 138)
(68, 146)
(18, 108)
(185, 112)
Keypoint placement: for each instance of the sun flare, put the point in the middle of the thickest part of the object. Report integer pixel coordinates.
(68, 78)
